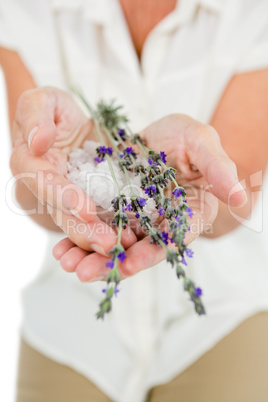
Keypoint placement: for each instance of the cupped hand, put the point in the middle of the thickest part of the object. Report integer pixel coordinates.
(48, 125)
(205, 171)
(195, 150)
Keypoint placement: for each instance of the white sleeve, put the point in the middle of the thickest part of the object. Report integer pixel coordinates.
(254, 31)
(7, 25)
(256, 57)
(241, 40)
(27, 26)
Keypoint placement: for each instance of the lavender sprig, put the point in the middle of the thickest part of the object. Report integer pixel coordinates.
(178, 231)
(117, 252)
(178, 223)
(154, 178)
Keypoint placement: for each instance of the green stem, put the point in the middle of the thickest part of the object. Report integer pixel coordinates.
(143, 149)
(108, 158)
(83, 99)
(128, 180)
(119, 230)
(172, 178)
(160, 190)
(112, 140)
(115, 145)
(150, 227)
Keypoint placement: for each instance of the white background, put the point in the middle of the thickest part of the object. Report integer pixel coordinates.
(22, 248)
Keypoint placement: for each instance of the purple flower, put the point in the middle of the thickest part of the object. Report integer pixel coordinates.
(110, 264)
(177, 192)
(178, 219)
(102, 149)
(121, 256)
(128, 207)
(198, 292)
(150, 161)
(189, 252)
(164, 236)
(142, 201)
(184, 261)
(163, 157)
(128, 154)
(116, 290)
(98, 160)
(122, 133)
(161, 211)
(105, 150)
(129, 151)
(189, 212)
(150, 190)
(137, 215)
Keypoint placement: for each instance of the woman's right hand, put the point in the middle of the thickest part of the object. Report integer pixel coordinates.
(48, 126)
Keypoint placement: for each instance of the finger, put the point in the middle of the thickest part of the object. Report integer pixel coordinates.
(143, 254)
(90, 236)
(35, 116)
(140, 256)
(92, 267)
(128, 237)
(206, 153)
(204, 206)
(72, 258)
(62, 247)
(201, 201)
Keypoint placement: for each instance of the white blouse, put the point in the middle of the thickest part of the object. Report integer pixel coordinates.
(152, 333)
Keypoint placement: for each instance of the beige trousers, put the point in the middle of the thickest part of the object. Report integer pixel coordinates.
(235, 370)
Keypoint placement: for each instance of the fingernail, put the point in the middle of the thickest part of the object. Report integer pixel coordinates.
(77, 215)
(238, 188)
(98, 248)
(31, 135)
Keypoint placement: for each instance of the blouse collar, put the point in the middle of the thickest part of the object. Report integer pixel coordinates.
(103, 12)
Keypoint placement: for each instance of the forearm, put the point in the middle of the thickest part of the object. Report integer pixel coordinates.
(241, 121)
(17, 80)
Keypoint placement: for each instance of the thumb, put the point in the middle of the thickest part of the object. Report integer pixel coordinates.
(35, 115)
(41, 137)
